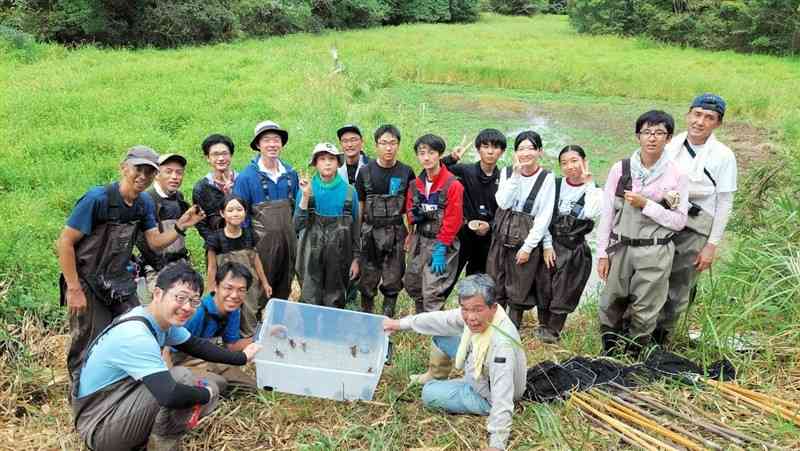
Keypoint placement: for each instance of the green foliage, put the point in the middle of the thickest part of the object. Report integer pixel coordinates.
(519, 7)
(167, 23)
(768, 26)
(275, 17)
(179, 22)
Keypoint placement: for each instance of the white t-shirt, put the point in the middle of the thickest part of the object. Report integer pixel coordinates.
(274, 176)
(569, 196)
(714, 156)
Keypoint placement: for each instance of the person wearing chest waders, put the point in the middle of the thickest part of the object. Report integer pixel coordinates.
(436, 211)
(327, 221)
(645, 202)
(269, 185)
(567, 257)
(218, 317)
(125, 397)
(96, 245)
(382, 187)
(711, 168)
(234, 243)
(210, 191)
(480, 181)
(483, 342)
(169, 206)
(525, 200)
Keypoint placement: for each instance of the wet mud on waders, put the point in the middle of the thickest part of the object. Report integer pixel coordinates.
(276, 243)
(559, 289)
(383, 235)
(641, 256)
(123, 415)
(324, 255)
(514, 284)
(425, 287)
(102, 260)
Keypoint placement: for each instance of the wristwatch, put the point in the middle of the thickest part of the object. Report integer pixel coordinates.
(179, 230)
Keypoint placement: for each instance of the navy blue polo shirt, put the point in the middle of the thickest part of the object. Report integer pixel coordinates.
(92, 210)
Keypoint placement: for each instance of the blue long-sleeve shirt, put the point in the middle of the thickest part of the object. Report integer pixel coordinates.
(250, 184)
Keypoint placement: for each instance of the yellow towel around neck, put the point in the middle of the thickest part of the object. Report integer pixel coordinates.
(480, 343)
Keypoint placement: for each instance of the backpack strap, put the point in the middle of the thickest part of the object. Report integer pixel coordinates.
(625, 182)
(117, 321)
(347, 210)
(693, 154)
(367, 179)
(537, 186)
(115, 203)
(558, 195)
(442, 201)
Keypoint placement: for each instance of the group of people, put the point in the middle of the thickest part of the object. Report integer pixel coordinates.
(360, 225)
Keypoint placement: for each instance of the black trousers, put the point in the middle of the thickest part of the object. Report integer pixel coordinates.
(473, 254)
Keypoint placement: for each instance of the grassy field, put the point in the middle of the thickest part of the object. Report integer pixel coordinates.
(68, 115)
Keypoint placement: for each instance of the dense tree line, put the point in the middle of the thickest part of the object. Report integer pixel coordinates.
(764, 26)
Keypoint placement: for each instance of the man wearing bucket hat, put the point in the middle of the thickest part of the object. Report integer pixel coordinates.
(353, 147)
(169, 206)
(711, 167)
(269, 185)
(95, 248)
(327, 221)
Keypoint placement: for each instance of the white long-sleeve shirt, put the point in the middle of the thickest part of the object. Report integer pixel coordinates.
(503, 377)
(569, 196)
(513, 192)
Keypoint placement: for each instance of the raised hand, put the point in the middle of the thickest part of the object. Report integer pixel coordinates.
(459, 150)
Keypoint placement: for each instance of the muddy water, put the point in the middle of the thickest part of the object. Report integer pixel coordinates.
(553, 140)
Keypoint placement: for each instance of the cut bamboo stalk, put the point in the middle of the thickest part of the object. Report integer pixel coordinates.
(643, 435)
(653, 425)
(720, 430)
(661, 421)
(609, 429)
(619, 426)
(792, 416)
(757, 395)
(753, 403)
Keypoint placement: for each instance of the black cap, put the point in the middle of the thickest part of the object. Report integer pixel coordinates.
(348, 128)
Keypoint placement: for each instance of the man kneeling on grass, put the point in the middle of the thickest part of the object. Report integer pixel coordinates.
(218, 316)
(485, 344)
(124, 397)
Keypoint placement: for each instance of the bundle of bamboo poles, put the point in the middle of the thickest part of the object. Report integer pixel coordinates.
(788, 410)
(634, 425)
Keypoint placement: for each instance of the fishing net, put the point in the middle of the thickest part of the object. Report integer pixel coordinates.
(549, 381)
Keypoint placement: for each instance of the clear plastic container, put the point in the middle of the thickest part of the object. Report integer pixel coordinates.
(320, 351)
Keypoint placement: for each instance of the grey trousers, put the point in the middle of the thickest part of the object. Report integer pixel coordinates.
(683, 277)
(428, 290)
(637, 287)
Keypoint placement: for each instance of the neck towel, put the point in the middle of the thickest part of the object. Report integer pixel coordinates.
(480, 343)
(647, 175)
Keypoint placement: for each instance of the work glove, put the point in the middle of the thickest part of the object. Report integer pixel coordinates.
(438, 260)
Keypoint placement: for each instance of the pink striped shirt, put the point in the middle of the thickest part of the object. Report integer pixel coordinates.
(673, 179)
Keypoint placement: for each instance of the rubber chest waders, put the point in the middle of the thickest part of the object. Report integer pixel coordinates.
(256, 299)
(324, 255)
(102, 260)
(426, 288)
(513, 282)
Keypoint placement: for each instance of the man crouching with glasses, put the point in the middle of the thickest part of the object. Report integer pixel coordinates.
(124, 397)
(485, 344)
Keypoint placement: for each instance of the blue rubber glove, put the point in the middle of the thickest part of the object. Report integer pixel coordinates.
(438, 260)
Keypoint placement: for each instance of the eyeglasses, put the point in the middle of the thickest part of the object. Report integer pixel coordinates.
(145, 170)
(351, 140)
(182, 299)
(388, 143)
(657, 133)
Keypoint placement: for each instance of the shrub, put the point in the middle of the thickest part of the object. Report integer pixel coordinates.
(341, 14)
(178, 22)
(769, 26)
(517, 7)
(275, 17)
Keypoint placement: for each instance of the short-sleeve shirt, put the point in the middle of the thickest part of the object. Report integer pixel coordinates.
(221, 244)
(92, 210)
(384, 180)
(208, 323)
(128, 349)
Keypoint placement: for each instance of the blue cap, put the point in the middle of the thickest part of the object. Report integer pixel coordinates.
(711, 102)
